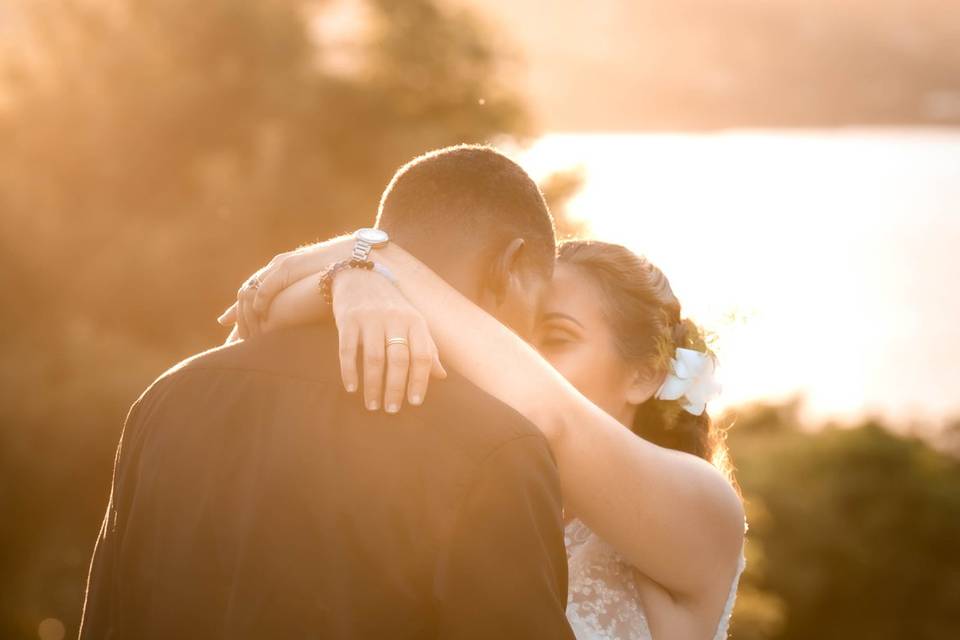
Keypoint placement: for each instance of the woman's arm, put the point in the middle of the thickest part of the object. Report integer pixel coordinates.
(373, 313)
(251, 310)
(672, 515)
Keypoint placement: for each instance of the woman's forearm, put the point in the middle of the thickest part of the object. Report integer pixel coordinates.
(667, 512)
(301, 302)
(463, 332)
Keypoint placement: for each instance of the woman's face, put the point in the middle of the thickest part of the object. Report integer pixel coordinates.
(573, 334)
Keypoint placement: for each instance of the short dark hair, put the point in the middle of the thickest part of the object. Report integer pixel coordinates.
(465, 195)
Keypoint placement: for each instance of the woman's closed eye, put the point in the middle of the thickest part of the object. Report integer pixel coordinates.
(558, 331)
(556, 338)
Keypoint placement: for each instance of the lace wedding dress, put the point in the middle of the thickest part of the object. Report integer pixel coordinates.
(604, 602)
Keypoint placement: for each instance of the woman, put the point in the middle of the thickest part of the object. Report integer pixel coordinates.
(655, 531)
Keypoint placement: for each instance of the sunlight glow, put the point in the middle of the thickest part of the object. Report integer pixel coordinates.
(826, 262)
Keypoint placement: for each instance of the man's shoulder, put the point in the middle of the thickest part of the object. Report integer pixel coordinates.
(456, 414)
(307, 352)
(298, 355)
(463, 412)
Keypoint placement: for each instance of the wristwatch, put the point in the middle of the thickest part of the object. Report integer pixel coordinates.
(366, 241)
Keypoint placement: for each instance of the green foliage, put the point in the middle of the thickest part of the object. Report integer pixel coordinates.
(559, 189)
(219, 117)
(853, 532)
(154, 152)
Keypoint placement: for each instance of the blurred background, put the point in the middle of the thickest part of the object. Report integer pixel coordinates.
(793, 166)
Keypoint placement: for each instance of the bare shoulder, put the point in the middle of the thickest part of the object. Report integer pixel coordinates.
(719, 503)
(696, 613)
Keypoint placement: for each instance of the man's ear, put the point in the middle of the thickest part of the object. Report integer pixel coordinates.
(643, 386)
(505, 270)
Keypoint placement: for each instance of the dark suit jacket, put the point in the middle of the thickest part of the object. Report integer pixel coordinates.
(254, 498)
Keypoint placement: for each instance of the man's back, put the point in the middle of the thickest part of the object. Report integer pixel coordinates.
(253, 497)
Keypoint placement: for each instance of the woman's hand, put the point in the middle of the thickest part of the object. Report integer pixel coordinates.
(369, 311)
(258, 291)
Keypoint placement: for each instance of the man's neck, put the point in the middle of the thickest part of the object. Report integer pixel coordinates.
(462, 272)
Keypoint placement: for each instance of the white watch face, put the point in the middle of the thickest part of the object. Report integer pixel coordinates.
(373, 237)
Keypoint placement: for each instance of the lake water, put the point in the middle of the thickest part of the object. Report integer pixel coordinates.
(827, 262)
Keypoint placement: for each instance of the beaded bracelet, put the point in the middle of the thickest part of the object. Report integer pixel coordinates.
(326, 278)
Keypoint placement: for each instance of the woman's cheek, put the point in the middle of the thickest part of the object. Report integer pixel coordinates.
(558, 359)
(572, 364)
(594, 377)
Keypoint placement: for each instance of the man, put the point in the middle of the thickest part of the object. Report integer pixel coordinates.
(254, 498)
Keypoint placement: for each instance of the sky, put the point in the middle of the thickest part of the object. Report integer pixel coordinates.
(826, 261)
(790, 165)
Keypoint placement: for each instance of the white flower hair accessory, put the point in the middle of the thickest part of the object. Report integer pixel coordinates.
(691, 379)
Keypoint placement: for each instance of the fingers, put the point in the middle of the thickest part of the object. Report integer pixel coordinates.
(283, 270)
(398, 365)
(229, 316)
(373, 363)
(349, 344)
(422, 357)
(437, 370)
(248, 324)
(241, 319)
(273, 280)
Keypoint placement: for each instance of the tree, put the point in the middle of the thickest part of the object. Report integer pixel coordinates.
(155, 151)
(559, 189)
(853, 531)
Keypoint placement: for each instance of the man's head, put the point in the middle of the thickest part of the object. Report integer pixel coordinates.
(478, 220)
